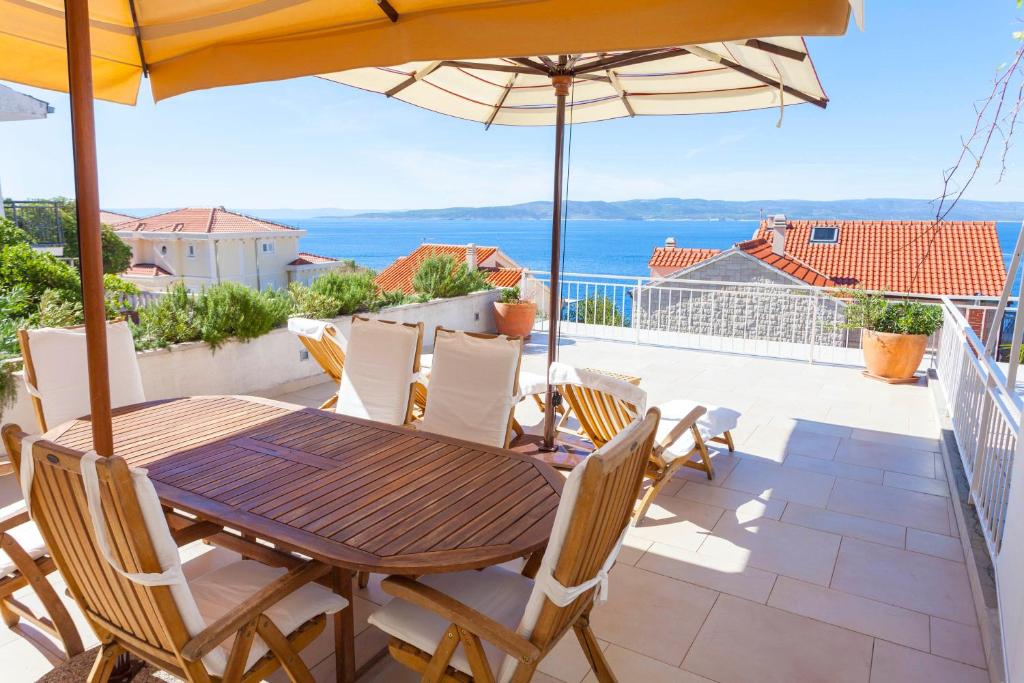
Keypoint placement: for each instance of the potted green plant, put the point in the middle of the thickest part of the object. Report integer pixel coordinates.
(895, 334)
(514, 316)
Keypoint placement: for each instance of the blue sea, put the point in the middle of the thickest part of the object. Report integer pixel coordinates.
(600, 247)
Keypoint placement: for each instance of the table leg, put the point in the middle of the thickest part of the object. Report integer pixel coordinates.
(344, 629)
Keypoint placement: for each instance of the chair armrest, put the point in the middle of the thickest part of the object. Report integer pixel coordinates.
(228, 625)
(461, 615)
(688, 421)
(13, 515)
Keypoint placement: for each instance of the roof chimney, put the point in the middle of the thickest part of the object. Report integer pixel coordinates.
(670, 242)
(779, 240)
(471, 256)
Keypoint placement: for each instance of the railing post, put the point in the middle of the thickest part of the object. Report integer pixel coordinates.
(635, 319)
(814, 326)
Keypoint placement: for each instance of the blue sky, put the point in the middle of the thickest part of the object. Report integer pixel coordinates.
(902, 94)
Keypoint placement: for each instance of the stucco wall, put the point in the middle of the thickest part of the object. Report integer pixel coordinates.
(271, 364)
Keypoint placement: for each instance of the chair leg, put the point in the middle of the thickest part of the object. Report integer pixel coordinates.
(439, 662)
(517, 428)
(329, 403)
(293, 666)
(728, 441)
(9, 616)
(363, 579)
(592, 650)
(105, 661)
(705, 457)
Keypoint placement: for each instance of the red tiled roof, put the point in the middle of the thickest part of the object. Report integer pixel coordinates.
(114, 218)
(762, 249)
(952, 258)
(307, 259)
(145, 270)
(400, 273)
(679, 257)
(212, 220)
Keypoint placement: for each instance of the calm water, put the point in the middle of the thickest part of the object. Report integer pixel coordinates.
(605, 247)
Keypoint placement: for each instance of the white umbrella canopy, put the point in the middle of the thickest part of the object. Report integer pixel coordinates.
(710, 78)
(706, 78)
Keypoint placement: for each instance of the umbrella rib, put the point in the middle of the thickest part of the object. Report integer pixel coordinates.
(617, 84)
(821, 102)
(779, 50)
(138, 38)
(501, 102)
(627, 58)
(530, 64)
(416, 76)
(507, 68)
(387, 9)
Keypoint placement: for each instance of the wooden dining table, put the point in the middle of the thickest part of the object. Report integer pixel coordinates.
(354, 494)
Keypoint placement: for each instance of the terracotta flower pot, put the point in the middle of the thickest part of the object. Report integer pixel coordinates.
(893, 356)
(515, 320)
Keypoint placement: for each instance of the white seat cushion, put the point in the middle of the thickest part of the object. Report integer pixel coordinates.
(31, 541)
(496, 592)
(378, 372)
(531, 383)
(715, 422)
(223, 590)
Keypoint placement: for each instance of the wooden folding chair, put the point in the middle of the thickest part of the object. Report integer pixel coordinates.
(326, 350)
(458, 627)
(473, 388)
(108, 536)
(604, 405)
(25, 561)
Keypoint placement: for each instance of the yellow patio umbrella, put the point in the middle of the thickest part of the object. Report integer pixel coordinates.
(706, 78)
(102, 48)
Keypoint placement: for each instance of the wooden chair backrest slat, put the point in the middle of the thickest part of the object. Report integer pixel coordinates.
(601, 415)
(326, 352)
(604, 506)
(145, 616)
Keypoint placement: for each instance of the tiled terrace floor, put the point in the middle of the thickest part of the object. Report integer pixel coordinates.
(824, 549)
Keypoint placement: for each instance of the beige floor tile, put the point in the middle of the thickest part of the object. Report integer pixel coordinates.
(910, 482)
(22, 660)
(930, 443)
(813, 426)
(957, 641)
(385, 671)
(794, 551)
(743, 642)
(566, 661)
(896, 664)
(773, 481)
(851, 611)
(651, 614)
(845, 525)
(835, 469)
(887, 504)
(722, 462)
(899, 577)
(728, 574)
(938, 545)
(631, 666)
(676, 521)
(747, 505)
(886, 457)
(633, 548)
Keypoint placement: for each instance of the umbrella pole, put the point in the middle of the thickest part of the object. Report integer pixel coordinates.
(87, 207)
(561, 84)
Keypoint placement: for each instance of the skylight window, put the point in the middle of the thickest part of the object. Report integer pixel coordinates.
(824, 235)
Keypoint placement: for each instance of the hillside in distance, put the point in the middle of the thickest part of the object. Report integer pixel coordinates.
(704, 209)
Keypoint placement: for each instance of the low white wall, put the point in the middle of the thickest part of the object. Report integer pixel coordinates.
(271, 364)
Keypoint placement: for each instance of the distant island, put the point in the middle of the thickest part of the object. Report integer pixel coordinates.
(708, 209)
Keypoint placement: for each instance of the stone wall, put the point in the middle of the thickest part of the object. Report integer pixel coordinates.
(784, 314)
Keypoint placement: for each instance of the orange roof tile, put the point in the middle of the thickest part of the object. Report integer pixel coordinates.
(762, 249)
(145, 270)
(678, 257)
(400, 273)
(307, 259)
(951, 258)
(114, 218)
(210, 220)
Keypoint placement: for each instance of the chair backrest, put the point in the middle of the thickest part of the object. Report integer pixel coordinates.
(381, 365)
(474, 386)
(321, 340)
(88, 508)
(593, 514)
(603, 405)
(56, 371)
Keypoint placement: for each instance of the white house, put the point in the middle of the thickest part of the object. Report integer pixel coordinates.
(205, 246)
(16, 106)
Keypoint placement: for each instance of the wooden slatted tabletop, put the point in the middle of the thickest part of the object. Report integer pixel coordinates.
(352, 493)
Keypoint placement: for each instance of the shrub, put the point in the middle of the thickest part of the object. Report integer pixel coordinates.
(233, 310)
(15, 307)
(57, 309)
(351, 291)
(12, 234)
(395, 297)
(597, 310)
(438, 277)
(874, 312)
(37, 272)
(310, 304)
(8, 386)
(117, 255)
(116, 291)
(511, 295)
(171, 319)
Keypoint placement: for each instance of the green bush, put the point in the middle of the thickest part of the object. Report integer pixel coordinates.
(8, 386)
(351, 292)
(15, 307)
(310, 304)
(117, 255)
(57, 309)
(511, 295)
(12, 234)
(37, 272)
(598, 310)
(171, 319)
(117, 292)
(439, 277)
(874, 312)
(234, 310)
(395, 297)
